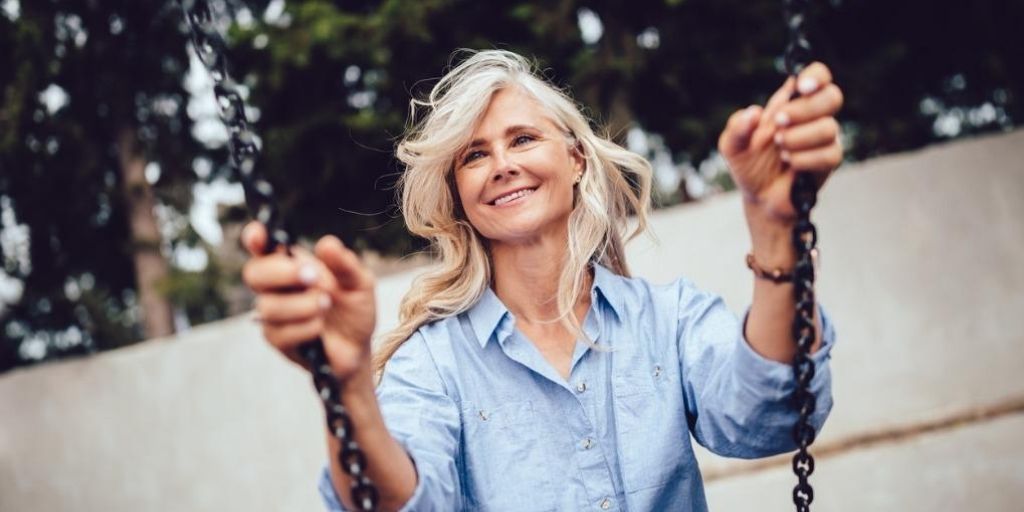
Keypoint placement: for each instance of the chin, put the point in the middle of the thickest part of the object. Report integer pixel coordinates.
(523, 231)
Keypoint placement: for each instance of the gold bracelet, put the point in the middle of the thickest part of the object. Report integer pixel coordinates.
(776, 275)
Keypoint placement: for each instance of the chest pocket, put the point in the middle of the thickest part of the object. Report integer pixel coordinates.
(655, 442)
(505, 455)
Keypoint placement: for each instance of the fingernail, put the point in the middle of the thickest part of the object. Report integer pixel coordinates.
(778, 138)
(255, 317)
(782, 119)
(324, 301)
(807, 85)
(307, 274)
(784, 155)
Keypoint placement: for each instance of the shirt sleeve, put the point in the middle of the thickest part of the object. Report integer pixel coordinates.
(737, 401)
(425, 421)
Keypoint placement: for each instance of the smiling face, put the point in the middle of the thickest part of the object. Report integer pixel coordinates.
(515, 179)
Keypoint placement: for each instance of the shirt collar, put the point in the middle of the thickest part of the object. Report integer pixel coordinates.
(485, 317)
(605, 284)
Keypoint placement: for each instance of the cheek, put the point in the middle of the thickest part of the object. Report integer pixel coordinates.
(467, 194)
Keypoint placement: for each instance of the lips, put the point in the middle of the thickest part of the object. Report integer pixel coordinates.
(512, 196)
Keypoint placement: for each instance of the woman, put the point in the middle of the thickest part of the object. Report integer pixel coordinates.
(530, 372)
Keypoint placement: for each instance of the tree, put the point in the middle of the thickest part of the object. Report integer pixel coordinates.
(95, 143)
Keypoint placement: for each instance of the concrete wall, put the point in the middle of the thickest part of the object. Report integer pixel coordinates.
(921, 271)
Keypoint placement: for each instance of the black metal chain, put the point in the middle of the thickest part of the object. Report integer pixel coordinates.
(244, 149)
(805, 237)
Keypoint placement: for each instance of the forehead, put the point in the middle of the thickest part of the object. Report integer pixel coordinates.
(510, 107)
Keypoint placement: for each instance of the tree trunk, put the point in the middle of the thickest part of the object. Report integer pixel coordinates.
(150, 266)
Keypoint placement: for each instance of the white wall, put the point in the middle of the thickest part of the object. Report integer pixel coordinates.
(921, 270)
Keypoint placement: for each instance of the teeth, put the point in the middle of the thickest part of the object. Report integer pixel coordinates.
(514, 195)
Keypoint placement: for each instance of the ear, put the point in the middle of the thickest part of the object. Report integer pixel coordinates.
(578, 157)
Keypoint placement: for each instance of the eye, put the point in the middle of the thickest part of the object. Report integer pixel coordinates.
(472, 155)
(522, 139)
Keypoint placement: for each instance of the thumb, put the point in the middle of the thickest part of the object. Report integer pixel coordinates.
(738, 130)
(254, 238)
(343, 263)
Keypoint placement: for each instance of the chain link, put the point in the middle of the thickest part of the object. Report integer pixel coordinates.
(244, 149)
(805, 238)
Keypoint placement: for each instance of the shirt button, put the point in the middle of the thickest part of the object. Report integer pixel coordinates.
(581, 387)
(587, 443)
(606, 504)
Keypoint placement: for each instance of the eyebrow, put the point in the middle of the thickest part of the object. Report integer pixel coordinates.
(508, 131)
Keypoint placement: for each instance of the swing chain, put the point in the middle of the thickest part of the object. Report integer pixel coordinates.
(244, 149)
(803, 195)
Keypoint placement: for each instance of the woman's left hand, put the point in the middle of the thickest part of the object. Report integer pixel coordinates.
(766, 146)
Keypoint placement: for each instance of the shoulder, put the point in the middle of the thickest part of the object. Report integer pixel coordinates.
(429, 349)
(430, 341)
(637, 294)
(431, 357)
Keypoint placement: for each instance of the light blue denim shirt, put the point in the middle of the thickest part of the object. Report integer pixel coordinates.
(490, 425)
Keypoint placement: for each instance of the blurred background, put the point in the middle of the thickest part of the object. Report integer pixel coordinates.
(119, 217)
(119, 214)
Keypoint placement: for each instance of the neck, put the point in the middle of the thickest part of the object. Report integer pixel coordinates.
(526, 278)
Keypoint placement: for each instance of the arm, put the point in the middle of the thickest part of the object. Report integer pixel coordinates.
(737, 383)
(765, 148)
(737, 401)
(330, 295)
(388, 466)
(413, 458)
(770, 320)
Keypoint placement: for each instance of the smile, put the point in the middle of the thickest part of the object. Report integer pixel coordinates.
(512, 196)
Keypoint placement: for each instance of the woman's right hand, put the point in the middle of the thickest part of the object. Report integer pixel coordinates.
(327, 294)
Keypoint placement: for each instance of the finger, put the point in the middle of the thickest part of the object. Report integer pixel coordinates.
(738, 130)
(812, 134)
(781, 96)
(770, 120)
(287, 307)
(288, 336)
(819, 159)
(343, 264)
(254, 238)
(825, 102)
(276, 271)
(813, 77)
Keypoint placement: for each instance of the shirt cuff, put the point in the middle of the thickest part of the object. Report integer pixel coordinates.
(332, 502)
(326, 487)
(773, 379)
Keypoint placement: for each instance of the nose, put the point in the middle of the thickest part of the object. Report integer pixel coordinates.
(504, 167)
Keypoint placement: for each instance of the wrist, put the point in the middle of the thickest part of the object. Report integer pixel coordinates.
(359, 382)
(770, 238)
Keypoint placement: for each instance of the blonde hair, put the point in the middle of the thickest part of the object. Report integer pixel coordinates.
(615, 184)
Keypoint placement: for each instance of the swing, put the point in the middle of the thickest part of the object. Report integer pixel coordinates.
(244, 149)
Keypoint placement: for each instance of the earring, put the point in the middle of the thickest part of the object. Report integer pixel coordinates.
(579, 176)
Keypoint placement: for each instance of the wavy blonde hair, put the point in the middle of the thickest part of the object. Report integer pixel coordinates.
(615, 184)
